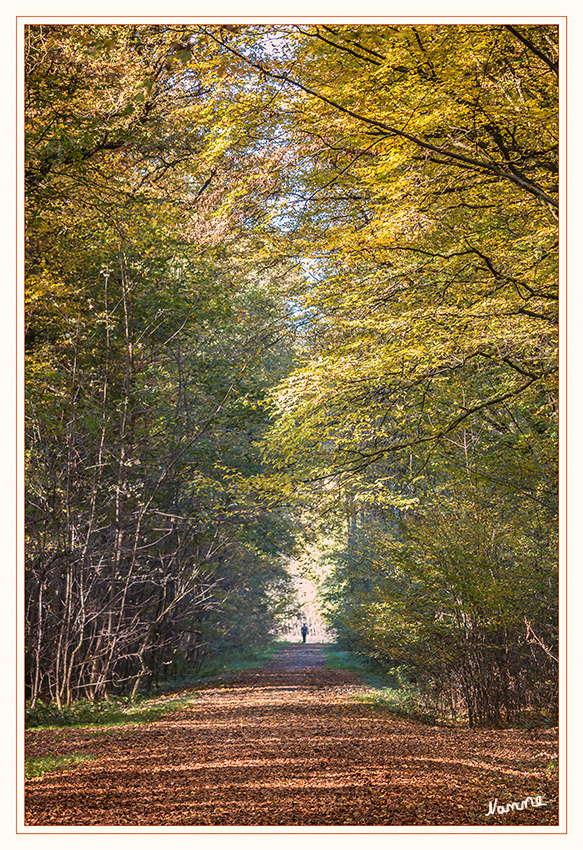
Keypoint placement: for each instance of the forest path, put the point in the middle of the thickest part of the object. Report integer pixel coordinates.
(287, 746)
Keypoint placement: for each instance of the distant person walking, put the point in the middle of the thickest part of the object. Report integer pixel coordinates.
(304, 633)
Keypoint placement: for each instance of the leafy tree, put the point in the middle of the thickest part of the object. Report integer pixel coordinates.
(347, 233)
(150, 349)
(428, 209)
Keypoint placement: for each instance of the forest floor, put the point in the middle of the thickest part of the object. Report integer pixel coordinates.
(288, 745)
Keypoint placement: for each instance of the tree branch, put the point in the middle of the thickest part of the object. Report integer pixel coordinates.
(554, 66)
(388, 130)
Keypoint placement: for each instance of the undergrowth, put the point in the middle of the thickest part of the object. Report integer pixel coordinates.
(145, 708)
(401, 690)
(87, 713)
(392, 690)
(221, 666)
(34, 767)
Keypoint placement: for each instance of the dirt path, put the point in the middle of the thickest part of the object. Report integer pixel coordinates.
(287, 745)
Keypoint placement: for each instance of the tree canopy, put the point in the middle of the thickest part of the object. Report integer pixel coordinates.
(285, 275)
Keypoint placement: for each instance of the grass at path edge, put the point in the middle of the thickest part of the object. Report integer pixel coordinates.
(389, 690)
(396, 690)
(35, 767)
(146, 708)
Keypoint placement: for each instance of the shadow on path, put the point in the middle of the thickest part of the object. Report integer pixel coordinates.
(288, 746)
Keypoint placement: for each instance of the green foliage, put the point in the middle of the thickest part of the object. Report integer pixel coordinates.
(35, 767)
(424, 407)
(449, 589)
(366, 667)
(154, 331)
(102, 713)
(391, 688)
(144, 708)
(222, 665)
(82, 713)
(405, 701)
(275, 268)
